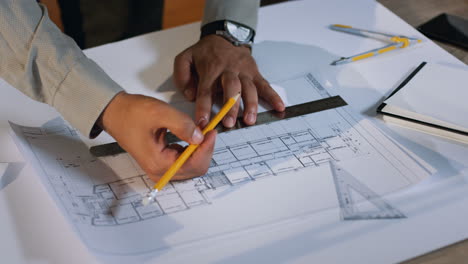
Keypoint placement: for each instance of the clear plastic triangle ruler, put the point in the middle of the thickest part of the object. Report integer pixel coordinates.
(346, 184)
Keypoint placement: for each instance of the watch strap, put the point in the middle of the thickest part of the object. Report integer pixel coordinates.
(213, 27)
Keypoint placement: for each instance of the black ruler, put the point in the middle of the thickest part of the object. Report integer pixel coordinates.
(262, 118)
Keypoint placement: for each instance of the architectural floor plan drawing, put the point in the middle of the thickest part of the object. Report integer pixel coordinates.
(258, 176)
(119, 202)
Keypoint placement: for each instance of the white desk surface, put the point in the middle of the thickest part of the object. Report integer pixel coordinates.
(34, 231)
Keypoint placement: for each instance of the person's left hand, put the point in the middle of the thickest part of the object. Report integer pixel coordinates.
(214, 65)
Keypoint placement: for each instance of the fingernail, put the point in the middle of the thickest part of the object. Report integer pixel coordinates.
(188, 93)
(229, 122)
(197, 135)
(201, 122)
(250, 118)
(280, 105)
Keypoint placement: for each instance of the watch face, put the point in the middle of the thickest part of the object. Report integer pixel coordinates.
(239, 32)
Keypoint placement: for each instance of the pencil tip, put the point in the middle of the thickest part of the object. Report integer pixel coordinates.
(236, 97)
(149, 198)
(145, 201)
(338, 61)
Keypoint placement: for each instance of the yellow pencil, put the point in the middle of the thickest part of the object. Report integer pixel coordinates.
(150, 197)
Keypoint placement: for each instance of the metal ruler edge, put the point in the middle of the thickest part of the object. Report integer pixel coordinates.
(262, 118)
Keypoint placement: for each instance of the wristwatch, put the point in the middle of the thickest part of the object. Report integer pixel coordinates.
(237, 34)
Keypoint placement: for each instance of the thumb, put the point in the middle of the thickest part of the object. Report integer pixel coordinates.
(181, 125)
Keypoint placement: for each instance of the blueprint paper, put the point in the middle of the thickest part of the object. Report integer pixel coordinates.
(4, 177)
(9, 172)
(259, 176)
(3, 167)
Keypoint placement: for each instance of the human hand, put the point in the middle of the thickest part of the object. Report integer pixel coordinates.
(139, 124)
(213, 65)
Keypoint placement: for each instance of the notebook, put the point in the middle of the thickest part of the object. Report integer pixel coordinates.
(432, 99)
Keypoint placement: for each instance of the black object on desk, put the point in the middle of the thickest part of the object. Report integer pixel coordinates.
(447, 28)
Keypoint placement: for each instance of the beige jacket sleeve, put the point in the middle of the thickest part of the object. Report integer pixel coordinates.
(43, 63)
(241, 11)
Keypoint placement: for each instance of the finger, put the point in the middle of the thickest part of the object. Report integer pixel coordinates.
(231, 87)
(180, 124)
(160, 139)
(166, 158)
(200, 160)
(160, 165)
(266, 92)
(250, 99)
(176, 147)
(184, 76)
(204, 99)
(155, 155)
(155, 158)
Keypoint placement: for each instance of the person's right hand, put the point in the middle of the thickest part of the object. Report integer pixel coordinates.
(139, 124)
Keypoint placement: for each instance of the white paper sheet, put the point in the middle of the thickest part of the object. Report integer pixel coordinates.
(259, 176)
